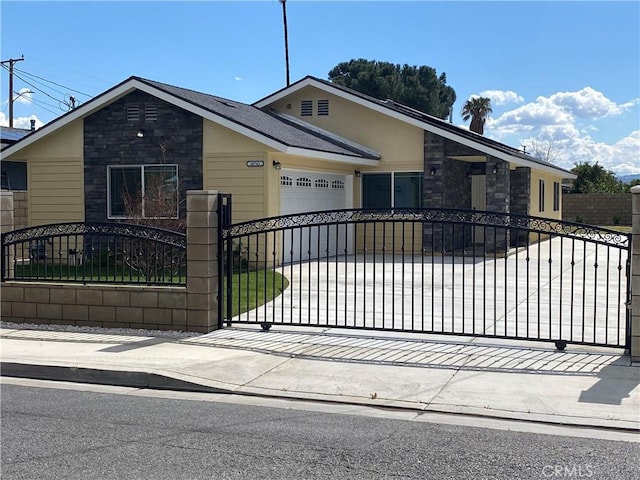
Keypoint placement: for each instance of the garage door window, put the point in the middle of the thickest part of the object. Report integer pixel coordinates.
(392, 190)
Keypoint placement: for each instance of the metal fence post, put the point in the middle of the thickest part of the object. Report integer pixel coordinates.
(635, 275)
(202, 261)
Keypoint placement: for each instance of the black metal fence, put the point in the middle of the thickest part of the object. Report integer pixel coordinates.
(95, 253)
(458, 272)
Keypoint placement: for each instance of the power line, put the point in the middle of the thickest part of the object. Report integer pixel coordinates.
(54, 83)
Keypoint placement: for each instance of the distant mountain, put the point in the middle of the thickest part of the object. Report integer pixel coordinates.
(628, 178)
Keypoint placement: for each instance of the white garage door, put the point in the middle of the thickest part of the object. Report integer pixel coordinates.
(302, 192)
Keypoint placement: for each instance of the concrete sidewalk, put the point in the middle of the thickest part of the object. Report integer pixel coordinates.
(583, 386)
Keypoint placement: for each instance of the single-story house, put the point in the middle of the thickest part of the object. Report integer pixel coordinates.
(313, 145)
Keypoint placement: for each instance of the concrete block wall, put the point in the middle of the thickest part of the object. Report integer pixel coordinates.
(192, 308)
(604, 209)
(20, 210)
(145, 307)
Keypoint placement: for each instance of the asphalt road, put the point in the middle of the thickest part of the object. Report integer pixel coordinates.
(112, 433)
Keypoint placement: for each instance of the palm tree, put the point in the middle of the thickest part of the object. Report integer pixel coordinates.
(477, 109)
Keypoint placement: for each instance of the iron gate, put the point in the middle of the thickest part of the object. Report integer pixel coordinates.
(444, 271)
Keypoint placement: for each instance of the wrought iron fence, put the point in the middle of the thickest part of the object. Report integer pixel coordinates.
(445, 271)
(95, 253)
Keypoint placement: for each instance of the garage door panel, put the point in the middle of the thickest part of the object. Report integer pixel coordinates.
(302, 192)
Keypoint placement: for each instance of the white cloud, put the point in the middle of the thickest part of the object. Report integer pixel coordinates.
(588, 103)
(561, 119)
(237, 78)
(23, 96)
(20, 122)
(502, 97)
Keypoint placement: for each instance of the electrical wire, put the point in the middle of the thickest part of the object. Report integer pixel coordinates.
(52, 82)
(63, 99)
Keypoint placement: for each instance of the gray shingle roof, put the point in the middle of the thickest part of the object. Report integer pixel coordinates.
(293, 134)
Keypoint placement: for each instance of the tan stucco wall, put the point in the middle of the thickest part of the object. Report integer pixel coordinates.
(549, 179)
(400, 144)
(225, 169)
(55, 179)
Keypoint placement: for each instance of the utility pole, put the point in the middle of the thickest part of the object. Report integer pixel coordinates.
(286, 38)
(11, 61)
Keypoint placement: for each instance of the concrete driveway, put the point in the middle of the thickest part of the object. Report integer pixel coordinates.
(557, 289)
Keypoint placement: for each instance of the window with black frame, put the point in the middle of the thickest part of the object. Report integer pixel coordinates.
(146, 191)
(392, 190)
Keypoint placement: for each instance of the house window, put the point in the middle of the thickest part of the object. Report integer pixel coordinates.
(392, 190)
(556, 196)
(151, 112)
(147, 191)
(323, 107)
(541, 195)
(133, 113)
(306, 108)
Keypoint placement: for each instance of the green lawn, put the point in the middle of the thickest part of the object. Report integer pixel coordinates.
(255, 288)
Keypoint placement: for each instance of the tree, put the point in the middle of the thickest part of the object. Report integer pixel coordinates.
(596, 179)
(477, 109)
(416, 87)
(543, 149)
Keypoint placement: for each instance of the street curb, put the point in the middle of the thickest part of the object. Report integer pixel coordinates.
(119, 378)
(154, 381)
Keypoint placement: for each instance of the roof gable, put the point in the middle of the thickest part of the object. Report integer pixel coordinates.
(420, 119)
(266, 128)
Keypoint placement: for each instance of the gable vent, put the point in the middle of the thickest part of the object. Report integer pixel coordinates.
(133, 113)
(306, 108)
(151, 112)
(323, 107)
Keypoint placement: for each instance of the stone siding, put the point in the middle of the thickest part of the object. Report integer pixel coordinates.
(604, 209)
(111, 139)
(520, 200)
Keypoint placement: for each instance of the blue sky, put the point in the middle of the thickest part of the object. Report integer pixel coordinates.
(564, 77)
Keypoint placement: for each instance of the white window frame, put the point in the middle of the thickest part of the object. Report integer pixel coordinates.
(111, 216)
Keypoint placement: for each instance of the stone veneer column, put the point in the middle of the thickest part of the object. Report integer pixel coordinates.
(433, 187)
(520, 200)
(498, 196)
(202, 261)
(635, 276)
(7, 223)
